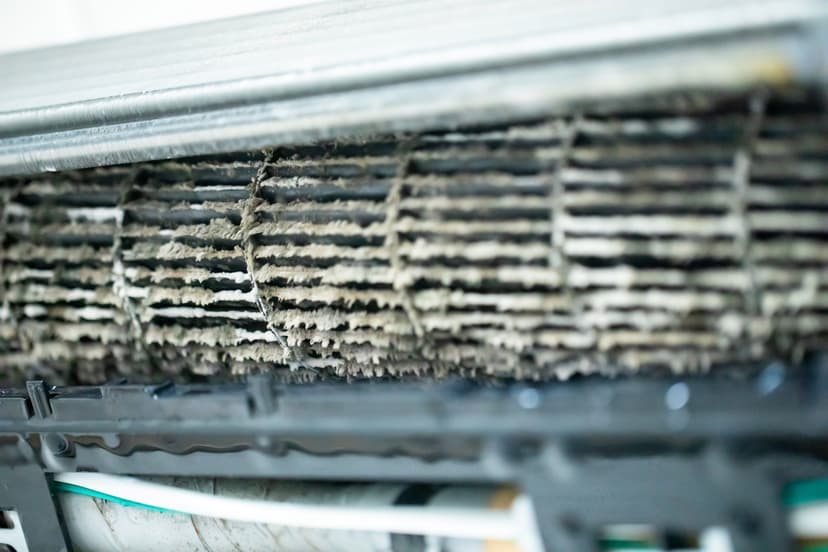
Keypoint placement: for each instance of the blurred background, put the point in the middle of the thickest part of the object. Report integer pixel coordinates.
(37, 23)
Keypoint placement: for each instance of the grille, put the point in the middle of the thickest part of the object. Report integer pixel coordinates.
(684, 233)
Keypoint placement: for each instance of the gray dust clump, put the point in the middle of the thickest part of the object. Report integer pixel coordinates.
(686, 239)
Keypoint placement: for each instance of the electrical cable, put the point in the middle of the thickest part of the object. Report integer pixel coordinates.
(75, 489)
(806, 492)
(625, 545)
(808, 501)
(808, 517)
(437, 521)
(810, 521)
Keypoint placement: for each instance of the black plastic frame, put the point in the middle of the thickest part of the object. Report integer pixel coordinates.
(590, 453)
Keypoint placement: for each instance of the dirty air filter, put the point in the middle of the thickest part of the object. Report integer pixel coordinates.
(681, 233)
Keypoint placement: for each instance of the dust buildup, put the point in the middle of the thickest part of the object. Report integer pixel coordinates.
(685, 239)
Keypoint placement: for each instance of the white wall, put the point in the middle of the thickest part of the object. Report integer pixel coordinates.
(28, 24)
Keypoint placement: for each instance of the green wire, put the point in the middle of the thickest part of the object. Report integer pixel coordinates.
(77, 489)
(815, 548)
(806, 492)
(624, 544)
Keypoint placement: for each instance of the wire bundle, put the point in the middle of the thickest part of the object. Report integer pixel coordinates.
(807, 501)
